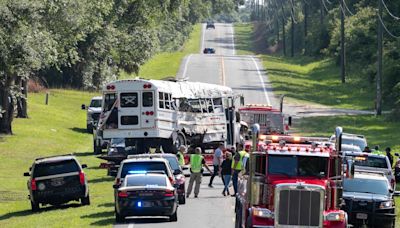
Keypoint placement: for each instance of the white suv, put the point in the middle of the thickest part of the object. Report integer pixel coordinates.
(93, 113)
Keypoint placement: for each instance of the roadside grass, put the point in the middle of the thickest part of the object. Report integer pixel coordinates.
(58, 128)
(306, 80)
(166, 64)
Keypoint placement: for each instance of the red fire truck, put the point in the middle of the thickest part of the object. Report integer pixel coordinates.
(292, 182)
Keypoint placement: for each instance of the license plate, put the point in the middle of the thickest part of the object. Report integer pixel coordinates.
(143, 204)
(146, 194)
(57, 182)
(361, 216)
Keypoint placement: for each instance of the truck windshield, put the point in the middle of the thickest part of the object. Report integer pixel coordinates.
(270, 122)
(95, 103)
(292, 165)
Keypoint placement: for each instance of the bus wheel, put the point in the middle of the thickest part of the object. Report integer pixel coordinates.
(180, 141)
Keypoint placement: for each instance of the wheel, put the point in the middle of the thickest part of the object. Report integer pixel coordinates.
(182, 199)
(174, 217)
(85, 200)
(35, 206)
(180, 140)
(96, 149)
(119, 218)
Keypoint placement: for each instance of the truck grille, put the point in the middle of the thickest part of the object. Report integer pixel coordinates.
(299, 206)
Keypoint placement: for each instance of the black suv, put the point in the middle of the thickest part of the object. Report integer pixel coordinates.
(369, 201)
(57, 180)
(210, 24)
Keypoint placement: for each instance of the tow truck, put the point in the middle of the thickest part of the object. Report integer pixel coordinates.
(292, 181)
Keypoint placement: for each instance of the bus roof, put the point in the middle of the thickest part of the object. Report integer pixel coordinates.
(178, 89)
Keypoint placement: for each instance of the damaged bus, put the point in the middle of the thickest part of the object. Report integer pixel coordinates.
(154, 113)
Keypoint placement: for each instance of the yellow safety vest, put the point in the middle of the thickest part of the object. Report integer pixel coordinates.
(181, 159)
(378, 152)
(240, 162)
(195, 163)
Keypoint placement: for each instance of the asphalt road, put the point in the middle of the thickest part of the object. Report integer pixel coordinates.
(210, 210)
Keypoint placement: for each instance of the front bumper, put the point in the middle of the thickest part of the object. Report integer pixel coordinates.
(377, 219)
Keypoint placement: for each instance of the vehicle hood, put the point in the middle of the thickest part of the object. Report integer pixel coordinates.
(304, 181)
(94, 110)
(365, 196)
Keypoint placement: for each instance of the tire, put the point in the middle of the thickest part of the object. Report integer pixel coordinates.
(85, 200)
(35, 206)
(182, 199)
(180, 140)
(89, 128)
(174, 216)
(119, 218)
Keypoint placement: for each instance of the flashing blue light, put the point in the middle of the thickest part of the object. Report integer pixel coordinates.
(139, 204)
(137, 172)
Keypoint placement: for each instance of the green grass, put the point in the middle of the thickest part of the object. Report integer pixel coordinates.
(307, 80)
(57, 128)
(167, 64)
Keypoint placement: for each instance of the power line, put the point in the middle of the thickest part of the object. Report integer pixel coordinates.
(323, 3)
(341, 8)
(386, 29)
(347, 8)
(387, 10)
(305, 1)
(330, 3)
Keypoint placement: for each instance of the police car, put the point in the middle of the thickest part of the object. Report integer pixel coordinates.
(146, 193)
(57, 180)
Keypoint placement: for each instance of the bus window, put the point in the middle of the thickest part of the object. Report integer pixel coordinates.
(129, 100)
(184, 105)
(209, 105)
(195, 105)
(217, 102)
(167, 101)
(129, 120)
(203, 105)
(109, 100)
(147, 99)
(161, 100)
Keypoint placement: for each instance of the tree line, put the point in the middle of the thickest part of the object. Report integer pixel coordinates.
(84, 43)
(362, 35)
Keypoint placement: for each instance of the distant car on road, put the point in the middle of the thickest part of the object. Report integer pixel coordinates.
(57, 180)
(368, 200)
(209, 51)
(93, 113)
(177, 171)
(210, 25)
(146, 194)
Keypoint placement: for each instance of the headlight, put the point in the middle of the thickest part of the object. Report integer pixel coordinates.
(335, 216)
(386, 204)
(263, 213)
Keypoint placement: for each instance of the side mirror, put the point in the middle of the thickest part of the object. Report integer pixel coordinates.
(350, 169)
(26, 174)
(177, 171)
(115, 186)
(83, 106)
(290, 121)
(84, 166)
(242, 100)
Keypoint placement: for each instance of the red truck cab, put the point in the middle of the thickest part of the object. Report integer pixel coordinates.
(296, 183)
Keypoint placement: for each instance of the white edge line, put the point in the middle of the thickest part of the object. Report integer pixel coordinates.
(185, 68)
(202, 37)
(130, 225)
(262, 81)
(233, 40)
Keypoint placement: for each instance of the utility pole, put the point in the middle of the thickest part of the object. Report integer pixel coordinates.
(321, 16)
(379, 72)
(342, 48)
(305, 26)
(283, 30)
(292, 36)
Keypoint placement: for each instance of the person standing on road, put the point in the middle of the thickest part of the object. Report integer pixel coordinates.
(196, 171)
(180, 155)
(217, 161)
(237, 165)
(389, 155)
(226, 171)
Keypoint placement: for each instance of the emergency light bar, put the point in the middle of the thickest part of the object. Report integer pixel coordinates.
(292, 139)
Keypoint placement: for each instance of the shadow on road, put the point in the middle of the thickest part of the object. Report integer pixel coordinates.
(107, 218)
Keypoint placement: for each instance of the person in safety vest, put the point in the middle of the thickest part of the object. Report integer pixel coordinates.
(179, 154)
(196, 171)
(377, 151)
(237, 165)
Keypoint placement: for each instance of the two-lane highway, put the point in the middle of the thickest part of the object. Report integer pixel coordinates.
(246, 76)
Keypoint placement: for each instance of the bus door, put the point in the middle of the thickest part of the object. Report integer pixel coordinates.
(148, 110)
(130, 111)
